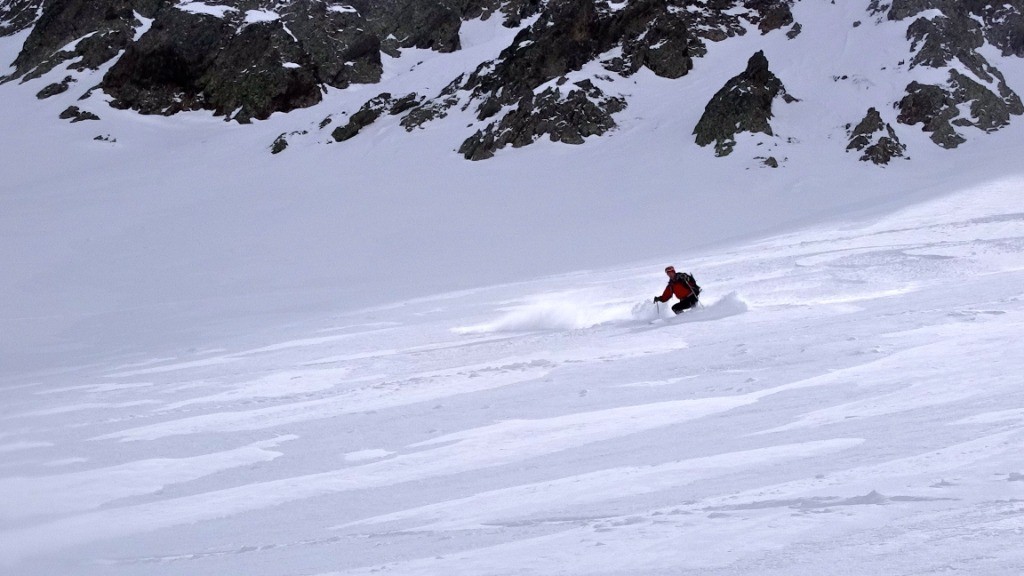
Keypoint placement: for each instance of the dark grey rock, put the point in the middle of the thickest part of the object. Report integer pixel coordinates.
(424, 112)
(568, 34)
(744, 104)
(279, 145)
(373, 109)
(876, 139)
(192, 61)
(938, 108)
(1001, 23)
(103, 28)
(163, 72)
(771, 14)
(55, 88)
(582, 112)
(75, 114)
(934, 108)
(952, 39)
(18, 15)
(413, 24)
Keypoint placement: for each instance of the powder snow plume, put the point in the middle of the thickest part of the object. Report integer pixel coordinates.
(555, 313)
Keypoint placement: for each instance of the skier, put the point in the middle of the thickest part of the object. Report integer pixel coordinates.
(682, 286)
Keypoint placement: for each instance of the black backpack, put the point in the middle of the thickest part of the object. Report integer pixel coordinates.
(689, 281)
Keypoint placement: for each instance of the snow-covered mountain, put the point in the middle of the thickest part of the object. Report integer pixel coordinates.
(564, 73)
(366, 354)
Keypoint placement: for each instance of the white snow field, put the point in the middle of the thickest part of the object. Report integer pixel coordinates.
(848, 400)
(377, 357)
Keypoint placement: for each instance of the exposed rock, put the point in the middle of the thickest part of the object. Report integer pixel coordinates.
(404, 103)
(413, 24)
(1001, 23)
(97, 29)
(938, 108)
(246, 59)
(17, 15)
(934, 108)
(431, 110)
(75, 114)
(55, 88)
(771, 14)
(583, 112)
(950, 39)
(655, 34)
(243, 70)
(876, 139)
(744, 104)
(279, 145)
(365, 116)
(1004, 25)
(163, 72)
(372, 110)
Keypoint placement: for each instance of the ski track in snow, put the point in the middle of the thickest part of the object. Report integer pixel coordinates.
(779, 420)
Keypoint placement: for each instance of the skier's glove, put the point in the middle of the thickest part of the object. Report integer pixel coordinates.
(656, 300)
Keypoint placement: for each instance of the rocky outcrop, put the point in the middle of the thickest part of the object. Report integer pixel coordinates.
(661, 36)
(939, 108)
(999, 23)
(87, 32)
(744, 104)
(56, 88)
(876, 139)
(242, 67)
(247, 59)
(568, 118)
(18, 15)
(655, 34)
(371, 111)
(75, 114)
(952, 39)
(429, 25)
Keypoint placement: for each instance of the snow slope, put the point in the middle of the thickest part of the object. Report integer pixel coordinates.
(376, 356)
(848, 396)
(176, 231)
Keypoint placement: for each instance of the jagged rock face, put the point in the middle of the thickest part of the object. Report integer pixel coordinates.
(429, 25)
(582, 112)
(876, 139)
(953, 38)
(242, 68)
(938, 108)
(1000, 23)
(560, 77)
(111, 24)
(75, 114)
(17, 15)
(56, 88)
(744, 104)
(373, 109)
(662, 35)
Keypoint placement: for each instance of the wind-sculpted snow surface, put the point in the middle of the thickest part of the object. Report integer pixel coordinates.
(847, 395)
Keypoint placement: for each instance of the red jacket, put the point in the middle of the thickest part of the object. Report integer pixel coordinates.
(676, 287)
